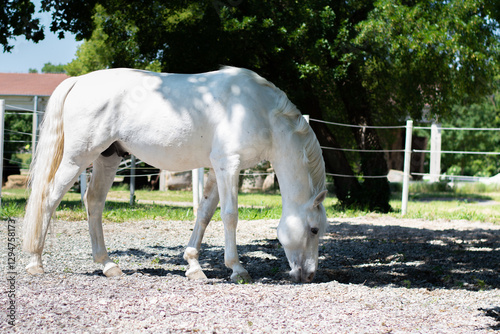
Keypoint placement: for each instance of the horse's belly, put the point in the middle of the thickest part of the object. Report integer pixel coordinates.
(178, 158)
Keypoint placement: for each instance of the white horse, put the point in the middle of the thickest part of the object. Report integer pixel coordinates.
(226, 120)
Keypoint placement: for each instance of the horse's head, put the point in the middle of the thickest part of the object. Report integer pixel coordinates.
(299, 232)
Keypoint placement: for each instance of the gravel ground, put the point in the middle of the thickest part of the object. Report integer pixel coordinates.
(377, 275)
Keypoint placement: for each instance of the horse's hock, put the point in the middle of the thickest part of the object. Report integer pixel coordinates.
(16, 182)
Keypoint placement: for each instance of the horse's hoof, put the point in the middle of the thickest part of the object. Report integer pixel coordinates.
(241, 278)
(34, 269)
(196, 274)
(112, 271)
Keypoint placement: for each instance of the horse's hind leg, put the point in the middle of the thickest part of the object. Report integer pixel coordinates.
(65, 177)
(102, 178)
(206, 210)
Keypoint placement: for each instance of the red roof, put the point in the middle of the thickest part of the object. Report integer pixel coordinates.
(41, 84)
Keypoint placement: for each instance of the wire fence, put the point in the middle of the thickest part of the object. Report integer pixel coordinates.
(127, 164)
(21, 110)
(403, 150)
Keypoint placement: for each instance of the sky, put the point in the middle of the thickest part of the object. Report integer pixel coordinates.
(26, 55)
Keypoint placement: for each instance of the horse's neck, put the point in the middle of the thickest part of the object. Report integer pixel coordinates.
(292, 172)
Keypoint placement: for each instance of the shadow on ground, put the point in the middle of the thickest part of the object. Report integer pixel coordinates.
(411, 257)
(357, 254)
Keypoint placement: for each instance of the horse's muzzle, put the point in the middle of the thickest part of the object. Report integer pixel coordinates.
(302, 276)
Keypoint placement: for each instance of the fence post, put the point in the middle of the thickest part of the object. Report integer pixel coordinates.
(2, 118)
(407, 164)
(36, 124)
(83, 183)
(435, 167)
(197, 177)
(163, 180)
(132, 179)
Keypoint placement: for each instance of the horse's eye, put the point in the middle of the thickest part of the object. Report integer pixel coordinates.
(314, 230)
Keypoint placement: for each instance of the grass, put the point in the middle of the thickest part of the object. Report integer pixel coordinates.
(426, 202)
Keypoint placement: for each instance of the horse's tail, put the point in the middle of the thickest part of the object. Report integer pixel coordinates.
(44, 165)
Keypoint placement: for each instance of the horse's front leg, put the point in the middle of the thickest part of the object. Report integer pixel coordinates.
(102, 178)
(206, 210)
(227, 172)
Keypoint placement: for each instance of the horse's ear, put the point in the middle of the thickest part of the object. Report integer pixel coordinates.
(320, 198)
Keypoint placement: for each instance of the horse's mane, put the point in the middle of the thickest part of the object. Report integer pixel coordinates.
(312, 155)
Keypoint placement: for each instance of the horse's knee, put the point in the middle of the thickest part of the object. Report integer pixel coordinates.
(229, 217)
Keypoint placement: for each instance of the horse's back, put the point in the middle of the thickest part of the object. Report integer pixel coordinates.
(175, 121)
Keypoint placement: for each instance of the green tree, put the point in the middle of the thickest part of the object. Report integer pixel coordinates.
(16, 18)
(17, 137)
(485, 114)
(52, 68)
(100, 51)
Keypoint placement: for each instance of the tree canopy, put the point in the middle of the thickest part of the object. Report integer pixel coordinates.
(359, 62)
(483, 114)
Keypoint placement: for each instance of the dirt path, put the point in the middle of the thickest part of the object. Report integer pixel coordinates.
(377, 275)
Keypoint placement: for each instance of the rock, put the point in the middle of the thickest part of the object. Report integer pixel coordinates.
(179, 180)
(17, 182)
(395, 176)
(492, 180)
(268, 184)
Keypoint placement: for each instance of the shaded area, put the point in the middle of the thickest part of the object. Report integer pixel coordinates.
(466, 198)
(495, 314)
(411, 257)
(356, 254)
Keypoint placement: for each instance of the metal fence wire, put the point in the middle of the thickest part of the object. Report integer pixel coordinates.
(435, 151)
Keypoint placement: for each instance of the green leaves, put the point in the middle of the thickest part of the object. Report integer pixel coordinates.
(439, 50)
(16, 19)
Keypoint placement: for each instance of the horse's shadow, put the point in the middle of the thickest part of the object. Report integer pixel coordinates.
(356, 254)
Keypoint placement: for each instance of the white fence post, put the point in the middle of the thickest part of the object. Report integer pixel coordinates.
(37, 119)
(197, 177)
(83, 183)
(2, 118)
(163, 180)
(132, 179)
(435, 167)
(407, 164)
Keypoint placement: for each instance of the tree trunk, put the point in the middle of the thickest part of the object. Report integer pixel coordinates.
(375, 192)
(347, 187)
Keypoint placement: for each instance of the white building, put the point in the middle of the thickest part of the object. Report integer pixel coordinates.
(28, 92)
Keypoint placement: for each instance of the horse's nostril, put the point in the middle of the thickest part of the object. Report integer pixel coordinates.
(308, 278)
